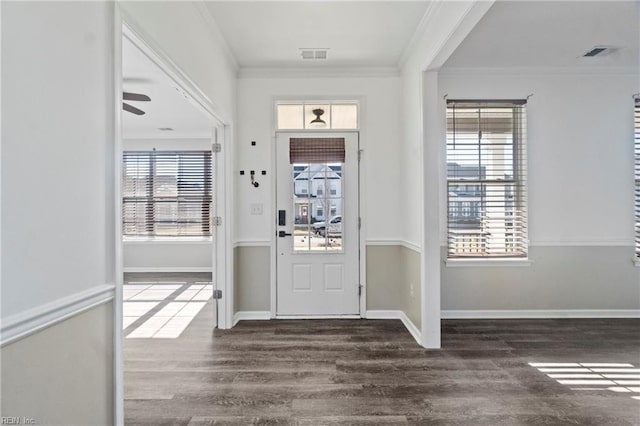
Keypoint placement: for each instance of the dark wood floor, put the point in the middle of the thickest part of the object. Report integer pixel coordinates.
(360, 372)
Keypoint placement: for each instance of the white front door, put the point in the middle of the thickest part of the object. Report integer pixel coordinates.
(317, 222)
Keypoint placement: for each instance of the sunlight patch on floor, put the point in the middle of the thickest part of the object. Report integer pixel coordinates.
(169, 308)
(589, 376)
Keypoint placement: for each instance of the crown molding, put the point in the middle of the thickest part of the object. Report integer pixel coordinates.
(540, 70)
(214, 29)
(417, 34)
(334, 72)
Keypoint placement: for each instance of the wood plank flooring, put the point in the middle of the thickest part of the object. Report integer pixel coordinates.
(363, 372)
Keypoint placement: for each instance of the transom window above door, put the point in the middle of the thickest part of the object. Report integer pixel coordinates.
(341, 115)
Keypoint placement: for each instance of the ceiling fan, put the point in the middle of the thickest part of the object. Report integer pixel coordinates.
(127, 96)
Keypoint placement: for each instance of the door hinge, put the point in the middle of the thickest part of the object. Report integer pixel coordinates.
(360, 154)
(216, 221)
(359, 290)
(359, 223)
(217, 294)
(216, 147)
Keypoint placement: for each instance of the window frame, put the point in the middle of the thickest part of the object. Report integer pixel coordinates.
(153, 198)
(305, 117)
(515, 242)
(636, 150)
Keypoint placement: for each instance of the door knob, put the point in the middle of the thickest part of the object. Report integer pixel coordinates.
(283, 234)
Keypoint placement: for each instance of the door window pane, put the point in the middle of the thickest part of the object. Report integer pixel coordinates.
(314, 231)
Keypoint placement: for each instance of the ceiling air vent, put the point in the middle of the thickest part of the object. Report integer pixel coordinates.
(313, 53)
(598, 51)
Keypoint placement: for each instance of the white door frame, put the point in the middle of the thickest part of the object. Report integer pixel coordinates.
(126, 25)
(362, 232)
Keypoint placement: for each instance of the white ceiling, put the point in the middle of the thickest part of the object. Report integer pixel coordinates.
(167, 108)
(365, 34)
(269, 34)
(551, 34)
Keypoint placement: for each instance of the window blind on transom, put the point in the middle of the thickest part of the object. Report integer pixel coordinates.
(166, 193)
(486, 179)
(316, 150)
(637, 173)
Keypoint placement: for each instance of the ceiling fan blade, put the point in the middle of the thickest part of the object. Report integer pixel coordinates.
(132, 109)
(128, 96)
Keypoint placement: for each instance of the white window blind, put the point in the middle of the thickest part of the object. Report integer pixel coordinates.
(166, 193)
(637, 173)
(486, 179)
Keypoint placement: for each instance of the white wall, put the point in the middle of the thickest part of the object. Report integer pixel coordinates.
(57, 163)
(380, 139)
(58, 222)
(580, 149)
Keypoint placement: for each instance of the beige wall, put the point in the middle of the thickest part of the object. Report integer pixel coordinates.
(411, 274)
(252, 273)
(393, 280)
(62, 375)
(560, 278)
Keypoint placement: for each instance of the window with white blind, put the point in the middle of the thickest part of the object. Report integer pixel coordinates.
(637, 173)
(486, 179)
(166, 193)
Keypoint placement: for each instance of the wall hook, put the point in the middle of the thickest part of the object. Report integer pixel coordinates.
(253, 181)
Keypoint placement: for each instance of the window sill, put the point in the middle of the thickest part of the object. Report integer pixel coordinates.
(487, 263)
(166, 240)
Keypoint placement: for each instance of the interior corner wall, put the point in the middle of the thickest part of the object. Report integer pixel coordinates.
(580, 194)
(57, 209)
(393, 280)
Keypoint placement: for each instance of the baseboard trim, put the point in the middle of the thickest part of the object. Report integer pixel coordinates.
(411, 327)
(547, 313)
(250, 315)
(166, 269)
(35, 319)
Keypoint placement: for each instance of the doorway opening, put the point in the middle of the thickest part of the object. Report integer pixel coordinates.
(171, 238)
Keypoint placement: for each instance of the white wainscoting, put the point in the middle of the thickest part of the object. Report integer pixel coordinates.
(28, 322)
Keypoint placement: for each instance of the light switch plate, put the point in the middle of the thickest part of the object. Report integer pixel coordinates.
(256, 208)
